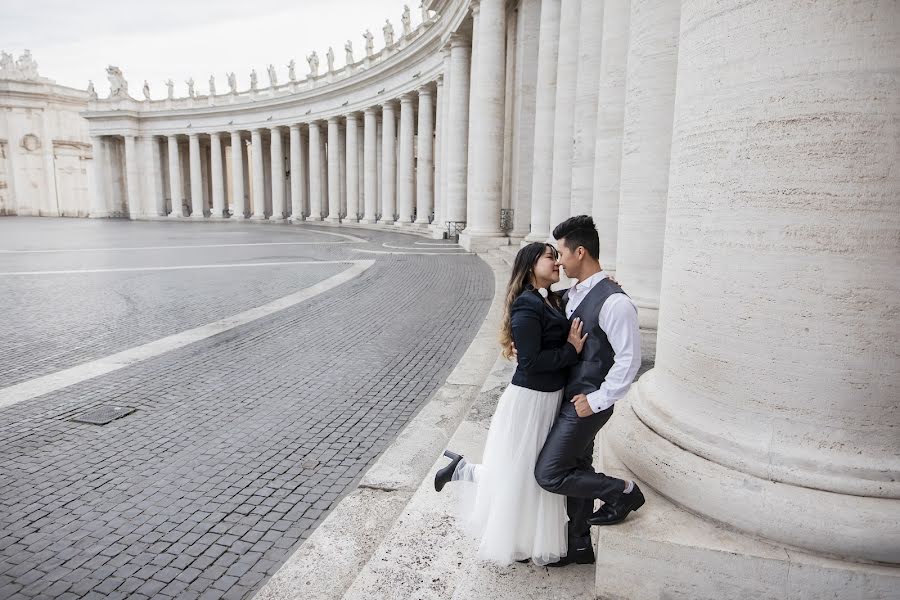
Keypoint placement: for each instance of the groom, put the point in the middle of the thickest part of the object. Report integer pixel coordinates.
(606, 368)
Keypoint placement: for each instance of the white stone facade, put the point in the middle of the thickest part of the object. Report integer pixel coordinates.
(740, 159)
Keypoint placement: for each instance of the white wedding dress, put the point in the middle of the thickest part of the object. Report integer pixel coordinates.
(512, 515)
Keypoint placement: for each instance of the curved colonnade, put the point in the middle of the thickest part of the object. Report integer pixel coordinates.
(746, 195)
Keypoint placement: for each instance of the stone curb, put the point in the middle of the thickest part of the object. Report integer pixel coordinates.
(325, 565)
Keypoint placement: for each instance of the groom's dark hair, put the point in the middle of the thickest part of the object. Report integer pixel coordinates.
(579, 231)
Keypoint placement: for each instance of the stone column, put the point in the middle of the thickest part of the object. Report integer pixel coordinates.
(277, 160)
(155, 201)
(99, 198)
(425, 161)
(370, 134)
(298, 175)
(486, 137)
(334, 171)
(196, 176)
(646, 144)
(133, 178)
(475, 62)
(773, 404)
(524, 95)
(436, 225)
(315, 173)
(353, 168)
(342, 169)
(544, 114)
(259, 182)
(323, 169)
(407, 161)
(175, 186)
(457, 127)
(239, 210)
(217, 175)
(590, 40)
(379, 137)
(388, 163)
(564, 119)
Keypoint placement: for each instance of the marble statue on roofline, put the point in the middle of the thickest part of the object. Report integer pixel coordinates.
(370, 43)
(232, 83)
(292, 71)
(407, 23)
(313, 60)
(92, 93)
(7, 65)
(348, 52)
(273, 76)
(424, 9)
(118, 87)
(170, 87)
(388, 30)
(190, 84)
(27, 65)
(254, 80)
(329, 56)
(146, 90)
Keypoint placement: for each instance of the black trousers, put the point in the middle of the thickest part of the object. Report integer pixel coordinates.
(565, 466)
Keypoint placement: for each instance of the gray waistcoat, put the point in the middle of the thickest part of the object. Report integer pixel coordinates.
(596, 359)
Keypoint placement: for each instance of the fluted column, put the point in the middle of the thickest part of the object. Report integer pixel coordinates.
(544, 114)
(564, 119)
(98, 176)
(524, 95)
(132, 178)
(353, 168)
(217, 175)
(486, 138)
(342, 168)
(425, 161)
(406, 161)
(610, 120)
(315, 173)
(196, 176)
(298, 175)
(590, 40)
(277, 160)
(259, 182)
(388, 163)
(773, 404)
(646, 144)
(334, 171)
(370, 133)
(238, 194)
(457, 127)
(474, 63)
(175, 186)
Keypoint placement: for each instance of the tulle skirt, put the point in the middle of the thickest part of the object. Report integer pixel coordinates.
(512, 515)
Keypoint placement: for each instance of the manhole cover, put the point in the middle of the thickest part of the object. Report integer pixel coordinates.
(103, 415)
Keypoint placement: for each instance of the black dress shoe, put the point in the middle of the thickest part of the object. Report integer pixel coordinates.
(616, 511)
(442, 477)
(581, 553)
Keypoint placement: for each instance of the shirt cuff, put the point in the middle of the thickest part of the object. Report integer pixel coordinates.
(598, 401)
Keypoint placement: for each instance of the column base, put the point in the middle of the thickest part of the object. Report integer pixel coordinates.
(314, 219)
(479, 242)
(174, 215)
(332, 219)
(239, 217)
(93, 215)
(297, 219)
(197, 217)
(537, 236)
(387, 221)
(665, 551)
(218, 217)
(258, 218)
(349, 220)
(368, 221)
(422, 223)
(278, 220)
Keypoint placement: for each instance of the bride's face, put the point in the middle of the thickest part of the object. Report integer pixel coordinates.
(546, 271)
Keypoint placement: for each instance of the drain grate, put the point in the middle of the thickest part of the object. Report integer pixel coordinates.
(103, 415)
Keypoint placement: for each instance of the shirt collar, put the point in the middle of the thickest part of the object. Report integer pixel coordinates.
(587, 284)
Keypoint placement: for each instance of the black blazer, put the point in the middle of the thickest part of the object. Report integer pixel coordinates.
(540, 334)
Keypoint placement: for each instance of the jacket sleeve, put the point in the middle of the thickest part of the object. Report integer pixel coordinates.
(525, 318)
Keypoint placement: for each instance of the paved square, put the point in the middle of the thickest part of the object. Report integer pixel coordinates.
(242, 440)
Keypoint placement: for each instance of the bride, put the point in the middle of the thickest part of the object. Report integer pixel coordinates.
(514, 518)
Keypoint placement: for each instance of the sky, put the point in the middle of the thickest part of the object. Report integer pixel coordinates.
(74, 41)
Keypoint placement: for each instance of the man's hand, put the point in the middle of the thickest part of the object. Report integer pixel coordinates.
(581, 406)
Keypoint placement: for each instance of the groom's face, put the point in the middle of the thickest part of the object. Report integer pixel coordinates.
(568, 260)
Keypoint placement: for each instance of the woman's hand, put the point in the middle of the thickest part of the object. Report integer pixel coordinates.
(575, 337)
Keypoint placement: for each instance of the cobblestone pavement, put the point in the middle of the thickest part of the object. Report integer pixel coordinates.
(241, 442)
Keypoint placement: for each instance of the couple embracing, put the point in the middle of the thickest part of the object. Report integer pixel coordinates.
(534, 491)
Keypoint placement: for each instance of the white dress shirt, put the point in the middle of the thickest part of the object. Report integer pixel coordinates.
(619, 321)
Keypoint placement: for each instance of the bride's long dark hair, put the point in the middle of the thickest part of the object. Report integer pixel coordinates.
(522, 276)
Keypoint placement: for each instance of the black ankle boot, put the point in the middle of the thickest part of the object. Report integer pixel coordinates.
(443, 476)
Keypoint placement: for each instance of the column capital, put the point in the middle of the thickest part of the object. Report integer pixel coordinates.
(475, 5)
(354, 116)
(459, 39)
(425, 90)
(335, 119)
(193, 134)
(294, 127)
(439, 80)
(371, 110)
(388, 105)
(407, 98)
